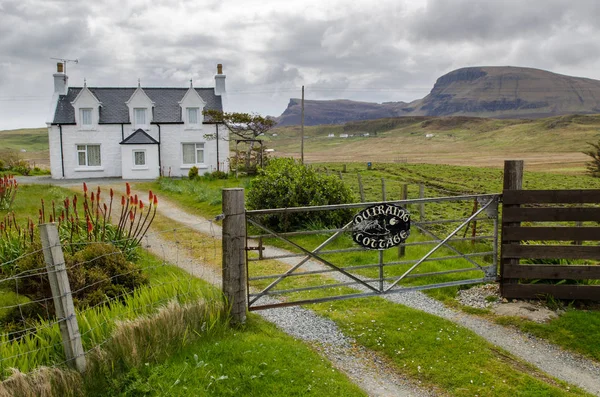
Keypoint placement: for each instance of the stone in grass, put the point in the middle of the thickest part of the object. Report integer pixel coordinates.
(525, 310)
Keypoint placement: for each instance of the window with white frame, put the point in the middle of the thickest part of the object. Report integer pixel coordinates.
(85, 117)
(193, 153)
(88, 155)
(193, 116)
(139, 115)
(139, 158)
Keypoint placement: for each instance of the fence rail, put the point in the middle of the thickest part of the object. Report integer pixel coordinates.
(535, 226)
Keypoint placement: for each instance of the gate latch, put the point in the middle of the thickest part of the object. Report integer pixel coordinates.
(259, 248)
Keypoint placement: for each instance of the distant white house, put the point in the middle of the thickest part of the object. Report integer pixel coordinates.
(331, 135)
(134, 132)
(343, 135)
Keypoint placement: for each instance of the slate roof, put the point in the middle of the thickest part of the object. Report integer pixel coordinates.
(139, 137)
(114, 109)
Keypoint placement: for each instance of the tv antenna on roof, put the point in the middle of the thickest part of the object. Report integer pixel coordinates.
(64, 62)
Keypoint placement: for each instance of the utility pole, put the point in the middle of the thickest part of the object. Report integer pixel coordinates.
(302, 130)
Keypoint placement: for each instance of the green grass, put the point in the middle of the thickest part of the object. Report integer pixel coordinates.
(438, 352)
(202, 196)
(256, 360)
(576, 330)
(28, 200)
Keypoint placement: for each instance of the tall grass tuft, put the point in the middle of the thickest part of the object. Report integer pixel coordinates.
(45, 382)
(152, 338)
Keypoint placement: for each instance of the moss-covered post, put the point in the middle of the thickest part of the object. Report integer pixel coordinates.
(234, 254)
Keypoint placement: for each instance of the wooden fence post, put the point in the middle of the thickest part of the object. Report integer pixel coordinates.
(360, 188)
(513, 180)
(235, 287)
(422, 205)
(61, 295)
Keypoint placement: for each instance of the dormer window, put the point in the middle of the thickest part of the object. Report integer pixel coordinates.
(193, 116)
(85, 117)
(140, 117)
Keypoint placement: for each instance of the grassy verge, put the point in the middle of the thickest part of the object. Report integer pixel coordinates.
(256, 360)
(438, 352)
(576, 330)
(202, 196)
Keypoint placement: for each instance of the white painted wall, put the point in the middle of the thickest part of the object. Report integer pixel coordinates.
(130, 171)
(173, 136)
(109, 137)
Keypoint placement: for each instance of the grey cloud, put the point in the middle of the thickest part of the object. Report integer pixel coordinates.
(449, 21)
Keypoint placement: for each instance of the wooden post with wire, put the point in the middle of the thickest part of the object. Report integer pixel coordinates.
(62, 297)
(235, 286)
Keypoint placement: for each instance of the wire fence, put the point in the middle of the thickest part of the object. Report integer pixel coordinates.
(104, 289)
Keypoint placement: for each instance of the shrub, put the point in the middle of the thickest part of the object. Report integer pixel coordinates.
(219, 175)
(287, 183)
(78, 224)
(96, 273)
(193, 172)
(22, 167)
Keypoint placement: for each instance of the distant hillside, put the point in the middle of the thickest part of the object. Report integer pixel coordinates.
(498, 92)
(337, 111)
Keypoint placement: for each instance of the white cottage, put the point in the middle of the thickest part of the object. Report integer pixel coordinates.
(135, 132)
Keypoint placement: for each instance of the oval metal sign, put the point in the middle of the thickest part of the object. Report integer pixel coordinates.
(381, 226)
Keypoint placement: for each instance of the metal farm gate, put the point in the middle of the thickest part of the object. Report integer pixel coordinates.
(310, 266)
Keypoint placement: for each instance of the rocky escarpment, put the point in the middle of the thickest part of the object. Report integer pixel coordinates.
(337, 111)
(501, 92)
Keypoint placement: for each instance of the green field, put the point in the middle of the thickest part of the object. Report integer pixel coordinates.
(29, 144)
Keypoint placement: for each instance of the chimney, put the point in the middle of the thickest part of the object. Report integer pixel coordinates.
(60, 80)
(219, 81)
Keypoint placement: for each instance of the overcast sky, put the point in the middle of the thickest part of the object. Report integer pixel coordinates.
(375, 50)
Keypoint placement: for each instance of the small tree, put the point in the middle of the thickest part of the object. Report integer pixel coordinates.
(242, 126)
(593, 166)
